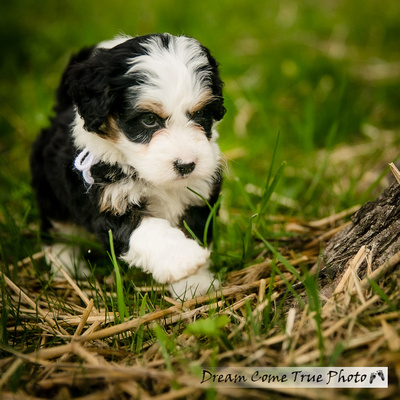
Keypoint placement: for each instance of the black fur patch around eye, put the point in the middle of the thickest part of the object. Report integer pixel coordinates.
(205, 119)
(136, 129)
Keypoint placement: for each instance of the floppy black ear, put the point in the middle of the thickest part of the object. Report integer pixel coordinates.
(89, 85)
(219, 111)
(216, 85)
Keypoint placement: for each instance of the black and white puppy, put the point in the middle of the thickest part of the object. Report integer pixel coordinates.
(134, 129)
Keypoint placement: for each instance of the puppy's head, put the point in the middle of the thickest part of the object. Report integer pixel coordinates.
(150, 103)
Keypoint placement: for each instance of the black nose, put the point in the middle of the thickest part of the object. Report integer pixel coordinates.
(183, 168)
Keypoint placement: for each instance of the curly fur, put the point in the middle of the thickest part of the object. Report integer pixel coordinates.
(134, 128)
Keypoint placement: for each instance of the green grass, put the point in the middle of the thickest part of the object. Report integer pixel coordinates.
(312, 91)
(278, 61)
(122, 309)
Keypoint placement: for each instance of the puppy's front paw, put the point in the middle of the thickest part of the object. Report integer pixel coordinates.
(181, 261)
(164, 251)
(195, 285)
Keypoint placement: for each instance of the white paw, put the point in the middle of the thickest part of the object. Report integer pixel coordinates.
(69, 257)
(158, 248)
(195, 285)
(181, 260)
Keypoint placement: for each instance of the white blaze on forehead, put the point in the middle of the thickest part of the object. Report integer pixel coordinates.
(175, 76)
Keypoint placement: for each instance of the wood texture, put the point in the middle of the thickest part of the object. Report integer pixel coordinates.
(376, 226)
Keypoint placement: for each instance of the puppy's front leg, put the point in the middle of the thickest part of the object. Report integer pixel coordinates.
(164, 251)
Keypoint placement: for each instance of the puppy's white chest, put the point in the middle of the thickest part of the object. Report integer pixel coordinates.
(170, 204)
(167, 207)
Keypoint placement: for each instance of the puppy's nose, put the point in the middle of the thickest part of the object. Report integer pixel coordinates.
(184, 168)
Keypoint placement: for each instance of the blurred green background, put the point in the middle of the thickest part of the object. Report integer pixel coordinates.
(325, 75)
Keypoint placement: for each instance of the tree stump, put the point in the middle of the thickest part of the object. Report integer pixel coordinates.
(376, 225)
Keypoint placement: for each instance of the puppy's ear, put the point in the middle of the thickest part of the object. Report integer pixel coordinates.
(219, 111)
(89, 85)
(216, 85)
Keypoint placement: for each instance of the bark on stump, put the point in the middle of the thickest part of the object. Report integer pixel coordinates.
(376, 225)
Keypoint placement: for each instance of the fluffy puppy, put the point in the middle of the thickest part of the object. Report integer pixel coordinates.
(134, 129)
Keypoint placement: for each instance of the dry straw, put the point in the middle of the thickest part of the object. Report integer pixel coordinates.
(83, 348)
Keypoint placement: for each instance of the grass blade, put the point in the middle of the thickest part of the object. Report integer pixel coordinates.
(140, 330)
(211, 217)
(377, 289)
(165, 345)
(192, 234)
(122, 309)
(270, 189)
(273, 158)
(247, 238)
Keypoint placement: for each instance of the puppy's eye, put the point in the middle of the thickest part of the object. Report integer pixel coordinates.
(149, 120)
(198, 114)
